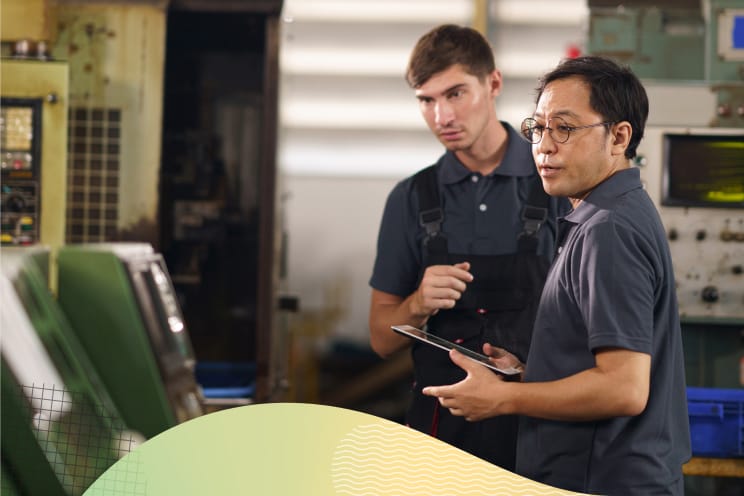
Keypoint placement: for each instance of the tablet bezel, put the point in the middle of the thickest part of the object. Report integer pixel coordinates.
(439, 342)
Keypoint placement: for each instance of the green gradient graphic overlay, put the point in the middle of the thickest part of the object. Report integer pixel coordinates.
(302, 449)
(258, 449)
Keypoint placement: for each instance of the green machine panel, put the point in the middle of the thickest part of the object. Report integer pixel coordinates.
(656, 43)
(119, 299)
(60, 428)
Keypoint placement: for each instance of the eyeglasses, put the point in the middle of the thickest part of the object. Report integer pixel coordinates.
(560, 132)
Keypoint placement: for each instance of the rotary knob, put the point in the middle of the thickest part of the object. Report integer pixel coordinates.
(710, 294)
(14, 204)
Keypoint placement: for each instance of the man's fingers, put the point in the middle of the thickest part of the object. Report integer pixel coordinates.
(494, 351)
(447, 282)
(457, 271)
(437, 391)
(441, 293)
(464, 266)
(501, 357)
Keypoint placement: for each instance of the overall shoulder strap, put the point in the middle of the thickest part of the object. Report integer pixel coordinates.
(534, 214)
(431, 214)
(430, 208)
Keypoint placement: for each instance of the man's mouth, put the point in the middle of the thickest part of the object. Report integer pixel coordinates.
(450, 135)
(547, 170)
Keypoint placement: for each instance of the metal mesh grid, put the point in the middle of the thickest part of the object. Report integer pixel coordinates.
(80, 440)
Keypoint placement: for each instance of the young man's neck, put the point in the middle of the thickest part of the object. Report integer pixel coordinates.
(486, 154)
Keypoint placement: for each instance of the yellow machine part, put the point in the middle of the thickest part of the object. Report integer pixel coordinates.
(47, 81)
(28, 20)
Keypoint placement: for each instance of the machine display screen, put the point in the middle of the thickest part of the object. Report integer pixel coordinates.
(703, 170)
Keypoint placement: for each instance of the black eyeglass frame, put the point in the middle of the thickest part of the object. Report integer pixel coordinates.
(528, 130)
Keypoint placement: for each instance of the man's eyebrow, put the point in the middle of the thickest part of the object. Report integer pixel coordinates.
(559, 113)
(446, 91)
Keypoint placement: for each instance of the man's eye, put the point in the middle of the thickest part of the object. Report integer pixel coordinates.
(538, 128)
(564, 129)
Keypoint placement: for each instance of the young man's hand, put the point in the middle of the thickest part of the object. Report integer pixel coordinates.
(441, 287)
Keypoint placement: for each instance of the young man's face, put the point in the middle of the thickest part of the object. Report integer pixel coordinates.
(457, 106)
(572, 169)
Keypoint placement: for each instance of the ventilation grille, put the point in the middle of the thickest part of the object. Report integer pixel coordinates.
(93, 174)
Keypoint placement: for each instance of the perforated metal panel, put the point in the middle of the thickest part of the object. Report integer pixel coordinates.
(93, 179)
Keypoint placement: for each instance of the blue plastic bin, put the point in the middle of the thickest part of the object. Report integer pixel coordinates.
(226, 379)
(716, 421)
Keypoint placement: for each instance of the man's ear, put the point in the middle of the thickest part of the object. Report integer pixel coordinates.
(621, 134)
(496, 82)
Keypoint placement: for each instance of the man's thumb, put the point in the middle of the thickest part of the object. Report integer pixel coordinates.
(462, 361)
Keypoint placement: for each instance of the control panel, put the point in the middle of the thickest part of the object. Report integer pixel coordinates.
(695, 176)
(20, 147)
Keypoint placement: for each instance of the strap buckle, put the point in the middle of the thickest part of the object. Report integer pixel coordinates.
(431, 220)
(533, 218)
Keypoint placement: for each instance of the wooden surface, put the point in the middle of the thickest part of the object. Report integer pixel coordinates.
(714, 467)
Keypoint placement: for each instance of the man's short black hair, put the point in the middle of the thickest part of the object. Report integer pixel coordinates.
(616, 93)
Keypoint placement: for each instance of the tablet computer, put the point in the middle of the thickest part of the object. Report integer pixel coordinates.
(415, 333)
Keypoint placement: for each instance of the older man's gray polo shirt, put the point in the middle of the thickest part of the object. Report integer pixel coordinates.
(611, 285)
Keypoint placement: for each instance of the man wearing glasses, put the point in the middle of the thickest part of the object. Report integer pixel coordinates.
(464, 245)
(603, 391)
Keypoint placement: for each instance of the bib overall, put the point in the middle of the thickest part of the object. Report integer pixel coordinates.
(498, 307)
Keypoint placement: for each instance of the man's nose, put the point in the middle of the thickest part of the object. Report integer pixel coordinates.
(443, 114)
(547, 143)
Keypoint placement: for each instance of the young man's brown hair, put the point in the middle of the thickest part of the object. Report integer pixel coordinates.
(448, 45)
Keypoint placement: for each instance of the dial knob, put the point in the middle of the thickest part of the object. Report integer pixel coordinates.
(710, 294)
(14, 204)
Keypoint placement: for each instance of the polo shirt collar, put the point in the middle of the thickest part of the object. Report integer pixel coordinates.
(606, 194)
(517, 161)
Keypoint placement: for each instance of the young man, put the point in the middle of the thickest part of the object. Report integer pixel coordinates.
(604, 385)
(465, 244)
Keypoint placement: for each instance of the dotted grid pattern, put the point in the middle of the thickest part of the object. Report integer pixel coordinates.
(80, 440)
(94, 146)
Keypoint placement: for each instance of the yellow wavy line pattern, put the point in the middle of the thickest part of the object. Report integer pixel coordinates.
(374, 459)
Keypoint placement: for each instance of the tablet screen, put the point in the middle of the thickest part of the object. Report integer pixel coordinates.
(415, 333)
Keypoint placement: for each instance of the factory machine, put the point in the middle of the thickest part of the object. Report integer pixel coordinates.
(130, 370)
(33, 122)
(696, 176)
(120, 300)
(91, 373)
(690, 55)
(33, 158)
(60, 427)
(92, 327)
